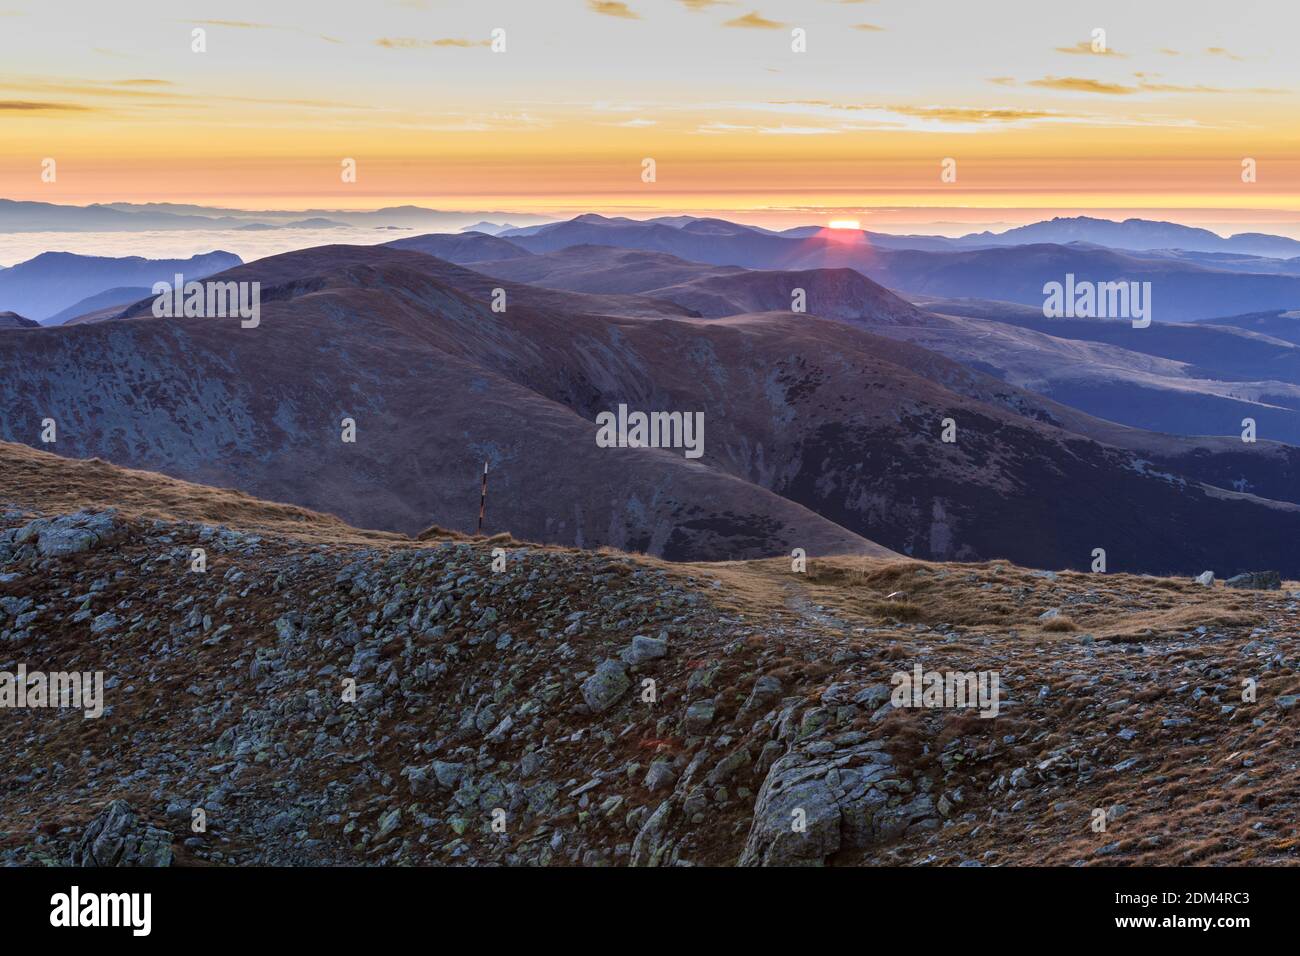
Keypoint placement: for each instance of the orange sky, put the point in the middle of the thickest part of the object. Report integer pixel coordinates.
(737, 121)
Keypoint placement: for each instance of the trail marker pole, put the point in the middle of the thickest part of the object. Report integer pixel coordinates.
(482, 501)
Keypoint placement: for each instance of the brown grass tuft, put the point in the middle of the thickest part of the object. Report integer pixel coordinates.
(1060, 624)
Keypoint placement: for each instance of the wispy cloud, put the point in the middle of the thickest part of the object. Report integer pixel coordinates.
(413, 43)
(1220, 51)
(251, 25)
(869, 27)
(612, 8)
(716, 128)
(27, 106)
(111, 89)
(704, 4)
(1201, 88)
(949, 114)
(236, 24)
(148, 94)
(970, 114)
(754, 21)
(1084, 47)
(1078, 84)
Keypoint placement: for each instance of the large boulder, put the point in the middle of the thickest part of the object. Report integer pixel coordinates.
(70, 534)
(818, 800)
(118, 837)
(644, 649)
(1256, 580)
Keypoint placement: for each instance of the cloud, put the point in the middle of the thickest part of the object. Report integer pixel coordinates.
(1220, 51)
(27, 106)
(612, 8)
(114, 89)
(237, 24)
(1199, 88)
(870, 27)
(1084, 47)
(754, 21)
(767, 130)
(250, 25)
(951, 114)
(1078, 84)
(970, 114)
(704, 4)
(412, 43)
(143, 95)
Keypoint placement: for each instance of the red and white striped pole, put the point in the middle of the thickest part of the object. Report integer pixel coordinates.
(482, 501)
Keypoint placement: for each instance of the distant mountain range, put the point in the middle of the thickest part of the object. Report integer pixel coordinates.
(1136, 234)
(1131, 234)
(133, 217)
(1183, 288)
(43, 287)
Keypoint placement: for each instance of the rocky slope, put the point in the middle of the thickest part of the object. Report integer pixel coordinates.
(323, 697)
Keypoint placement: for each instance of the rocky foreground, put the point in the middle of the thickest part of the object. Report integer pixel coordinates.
(312, 702)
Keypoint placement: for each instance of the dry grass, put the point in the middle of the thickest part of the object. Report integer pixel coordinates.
(989, 598)
(52, 484)
(983, 598)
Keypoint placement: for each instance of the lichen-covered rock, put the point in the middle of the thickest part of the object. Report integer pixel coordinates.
(652, 841)
(118, 837)
(644, 649)
(766, 692)
(603, 689)
(70, 534)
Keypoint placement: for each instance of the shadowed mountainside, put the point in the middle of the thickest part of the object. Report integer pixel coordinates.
(819, 435)
(12, 320)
